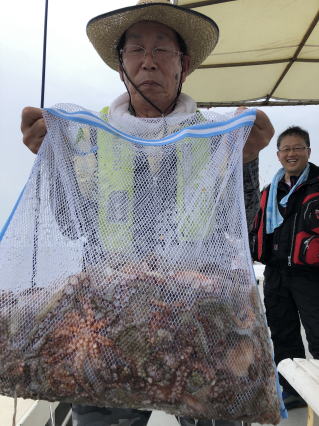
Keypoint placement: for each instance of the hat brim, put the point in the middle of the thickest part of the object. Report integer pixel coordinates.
(199, 32)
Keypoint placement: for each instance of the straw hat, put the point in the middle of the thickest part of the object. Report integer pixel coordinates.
(199, 32)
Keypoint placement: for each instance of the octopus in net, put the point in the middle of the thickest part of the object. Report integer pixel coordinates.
(78, 340)
(137, 336)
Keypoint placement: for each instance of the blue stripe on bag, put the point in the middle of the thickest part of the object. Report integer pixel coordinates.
(7, 223)
(196, 131)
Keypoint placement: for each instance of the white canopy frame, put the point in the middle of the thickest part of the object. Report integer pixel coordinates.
(267, 54)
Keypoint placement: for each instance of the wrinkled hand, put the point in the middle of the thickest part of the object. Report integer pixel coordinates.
(33, 128)
(259, 137)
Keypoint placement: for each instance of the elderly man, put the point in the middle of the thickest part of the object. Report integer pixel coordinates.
(154, 46)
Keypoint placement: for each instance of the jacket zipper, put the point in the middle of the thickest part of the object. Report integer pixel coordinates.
(292, 240)
(310, 202)
(306, 243)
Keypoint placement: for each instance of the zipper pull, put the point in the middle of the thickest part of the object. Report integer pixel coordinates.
(289, 260)
(310, 239)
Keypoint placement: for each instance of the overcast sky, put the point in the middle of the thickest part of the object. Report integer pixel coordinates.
(76, 74)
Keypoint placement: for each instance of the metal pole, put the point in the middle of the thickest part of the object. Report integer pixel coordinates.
(38, 179)
(44, 51)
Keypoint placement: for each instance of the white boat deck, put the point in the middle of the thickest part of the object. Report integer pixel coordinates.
(296, 417)
(7, 409)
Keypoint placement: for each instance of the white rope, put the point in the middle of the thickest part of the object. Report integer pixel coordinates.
(52, 416)
(15, 404)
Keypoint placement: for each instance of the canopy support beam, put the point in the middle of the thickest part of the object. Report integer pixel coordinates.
(294, 58)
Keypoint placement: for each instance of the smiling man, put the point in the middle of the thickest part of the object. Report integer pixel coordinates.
(293, 153)
(286, 239)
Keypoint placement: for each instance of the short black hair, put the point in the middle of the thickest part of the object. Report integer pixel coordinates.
(181, 43)
(294, 131)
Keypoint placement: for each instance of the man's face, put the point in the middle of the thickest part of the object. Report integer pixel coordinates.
(156, 77)
(293, 160)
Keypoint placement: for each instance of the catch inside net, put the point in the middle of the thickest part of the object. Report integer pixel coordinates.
(126, 276)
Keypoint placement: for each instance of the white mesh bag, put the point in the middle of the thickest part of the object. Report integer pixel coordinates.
(126, 277)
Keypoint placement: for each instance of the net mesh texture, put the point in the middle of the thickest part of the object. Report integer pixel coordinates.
(126, 274)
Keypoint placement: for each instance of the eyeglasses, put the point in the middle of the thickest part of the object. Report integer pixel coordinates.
(159, 54)
(293, 149)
